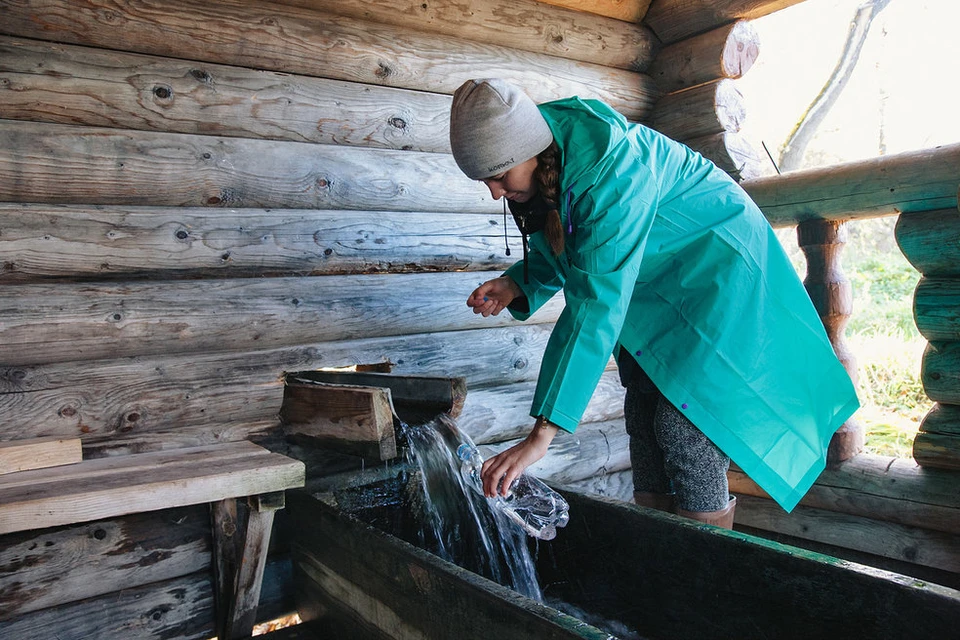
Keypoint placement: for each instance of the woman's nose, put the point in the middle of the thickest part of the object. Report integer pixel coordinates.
(496, 191)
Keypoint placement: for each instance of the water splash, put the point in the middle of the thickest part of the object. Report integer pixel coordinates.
(458, 524)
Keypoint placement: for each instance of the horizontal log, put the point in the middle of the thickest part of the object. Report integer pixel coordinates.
(55, 323)
(930, 240)
(727, 52)
(943, 419)
(53, 163)
(178, 608)
(23, 454)
(117, 555)
(905, 544)
(940, 372)
(937, 451)
(496, 414)
(519, 24)
(731, 152)
(674, 20)
(275, 37)
(68, 84)
(617, 485)
(902, 183)
(936, 308)
(627, 10)
(42, 242)
(150, 403)
(705, 110)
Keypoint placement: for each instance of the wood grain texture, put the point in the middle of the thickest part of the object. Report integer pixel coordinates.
(936, 308)
(51, 82)
(942, 418)
(627, 10)
(930, 240)
(704, 110)
(674, 20)
(41, 570)
(38, 453)
(938, 451)
(617, 485)
(275, 37)
(53, 163)
(60, 242)
(940, 372)
(731, 152)
(727, 52)
(43, 323)
(901, 183)
(531, 26)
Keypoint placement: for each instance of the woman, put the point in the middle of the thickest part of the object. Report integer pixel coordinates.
(666, 263)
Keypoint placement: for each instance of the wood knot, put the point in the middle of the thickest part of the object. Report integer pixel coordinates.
(383, 71)
(398, 123)
(163, 92)
(67, 411)
(181, 234)
(200, 75)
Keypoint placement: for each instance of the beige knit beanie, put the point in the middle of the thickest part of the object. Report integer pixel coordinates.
(494, 126)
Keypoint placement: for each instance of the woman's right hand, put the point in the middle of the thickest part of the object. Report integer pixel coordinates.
(493, 296)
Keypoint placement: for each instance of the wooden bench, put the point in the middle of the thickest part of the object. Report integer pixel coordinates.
(123, 485)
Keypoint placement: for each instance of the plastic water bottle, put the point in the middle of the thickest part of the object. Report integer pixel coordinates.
(535, 507)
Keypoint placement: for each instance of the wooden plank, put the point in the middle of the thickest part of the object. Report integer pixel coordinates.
(108, 243)
(617, 485)
(53, 323)
(109, 487)
(53, 82)
(53, 163)
(943, 419)
(274, 37)
(930, 240)
(940, 372)
(674, 20)
(901, 183)
(731, 152)
(705, 110)
(727, 52)
(517, 24)
(145, 403)
(938, 450)
(936, 308)
(908, 544)
(178, 608)
(42, 570)
(38, 453)
(627, 10)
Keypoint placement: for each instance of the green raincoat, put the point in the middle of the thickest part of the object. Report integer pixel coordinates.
(669, 258)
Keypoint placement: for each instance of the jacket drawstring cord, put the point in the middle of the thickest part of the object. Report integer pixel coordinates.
(506, 244)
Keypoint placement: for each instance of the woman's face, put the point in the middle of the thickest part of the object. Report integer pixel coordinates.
(517, 184)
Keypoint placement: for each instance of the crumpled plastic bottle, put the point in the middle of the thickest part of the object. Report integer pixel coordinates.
(531, 504)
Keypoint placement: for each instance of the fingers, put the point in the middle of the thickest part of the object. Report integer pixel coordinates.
(485, 300)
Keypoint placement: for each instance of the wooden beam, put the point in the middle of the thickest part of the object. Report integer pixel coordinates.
(930, 240)
(275, 37)
(943, 419)
(53, 163)
(936, 308)
(45, 242)
(59, 322)
(627, 10)
(87, 86)
(38, 453)
(704, 110)
(617, 485)
(940, 372)
(731, 152)
(727, 52)
(937, 450)
(902, 183)
(531, 26)
(674, 20)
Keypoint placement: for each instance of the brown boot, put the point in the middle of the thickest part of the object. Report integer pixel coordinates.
(722, 518)
(659, 501)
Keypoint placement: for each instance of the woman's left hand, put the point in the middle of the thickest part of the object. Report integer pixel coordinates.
(500, 471)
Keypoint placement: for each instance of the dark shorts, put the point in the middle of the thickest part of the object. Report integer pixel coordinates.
(669, 454)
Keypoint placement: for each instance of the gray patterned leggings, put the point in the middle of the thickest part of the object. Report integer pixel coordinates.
(668, 453)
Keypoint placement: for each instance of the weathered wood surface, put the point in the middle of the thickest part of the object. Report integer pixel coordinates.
(930, 240)
(40, 570)
(901, 183)
(936, 308)
(942, 418)
(731, 152)
(53, 82)
(494, 414)
(907, 544)
(54, 163)
(727, 52)
(517, 24)
(275, 37)
(46, 242)
(940, 372)
(38, 453)
(178, 608)
(109, 487)
(627, 10)
(701, 111)
(937, 450)
(674, 20)
(141, 404)
(617, 485)
(60, 322)
(227, 524)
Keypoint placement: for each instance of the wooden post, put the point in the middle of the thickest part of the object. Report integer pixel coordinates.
(821, 242)
(727, 52)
